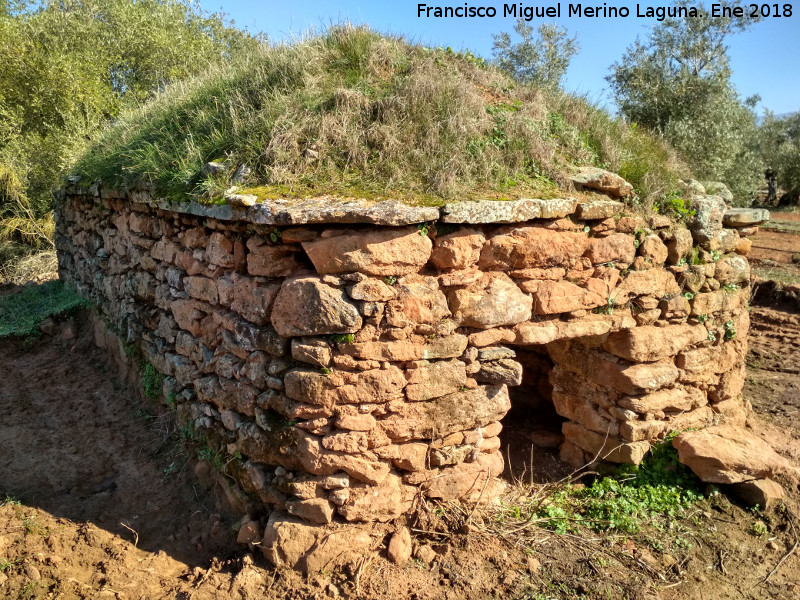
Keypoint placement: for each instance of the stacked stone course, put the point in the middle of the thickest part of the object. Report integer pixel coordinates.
(347, 369)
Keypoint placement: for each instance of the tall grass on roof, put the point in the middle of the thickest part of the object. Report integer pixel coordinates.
(351, 112)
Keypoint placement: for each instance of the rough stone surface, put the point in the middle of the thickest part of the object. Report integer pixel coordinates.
(679, 245)
(372, 252)
(458, 250)
(289, 542)
(745, 217)
(434, 379)
(603, 181)
(496, 301)
(505, 371)
(763, 493)
(598, 209)
(448, 414)
(603, 447)
(307, 306)
(552, 297)
(707, 220)
(653, 249)
(732, 270)
(513, 211)
(728, 454)
(649, 344)
(525, 247)
(617, 247)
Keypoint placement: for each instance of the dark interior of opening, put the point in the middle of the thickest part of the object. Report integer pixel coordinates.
(532, 429)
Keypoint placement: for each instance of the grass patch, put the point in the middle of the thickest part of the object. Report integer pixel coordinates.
(783, 275)
(353, 113)
(21, 312)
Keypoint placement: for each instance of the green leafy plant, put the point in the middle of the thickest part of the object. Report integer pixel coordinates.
(702, 318)
(659, 488)
(390, 280)
(730, 287)
(342, 338)
(213, 457)
(715, 255)
(423, 229)
(325, 370)
(712, 336)
(6, 564)
(9, 501)
(675, 204)
(152, 381)
(730, 330)
(759, 528)
(608, 309)
(275, 235)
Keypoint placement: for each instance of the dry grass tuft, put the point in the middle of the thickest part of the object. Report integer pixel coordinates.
(19, 265)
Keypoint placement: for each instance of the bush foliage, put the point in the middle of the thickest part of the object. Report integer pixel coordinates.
(69, 67)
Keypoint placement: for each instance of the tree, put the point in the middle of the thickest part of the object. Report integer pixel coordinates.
(779, 144)
(677, 83)
(67, 69)
(540, 60)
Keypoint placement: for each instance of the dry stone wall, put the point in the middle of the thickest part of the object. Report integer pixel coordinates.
(346, 362)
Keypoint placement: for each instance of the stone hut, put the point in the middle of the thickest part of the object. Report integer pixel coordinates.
(347, 359)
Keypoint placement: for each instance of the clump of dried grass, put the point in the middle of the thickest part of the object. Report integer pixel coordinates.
(18, 265)
(353, 112)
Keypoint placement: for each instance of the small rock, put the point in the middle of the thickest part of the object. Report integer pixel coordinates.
(47, 326)
(400, 546)
(334, 590)
(242, 173)
(598, 209)
(533, 565)
(772, 545)
(32, 573)
(761, 492)
(213, 168)
(426, 554)
(505, 371)
(496, 353)
(249, 533)
(744, 217)
(603, 181)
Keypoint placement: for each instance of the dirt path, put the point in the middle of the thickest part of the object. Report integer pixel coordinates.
(108, 508)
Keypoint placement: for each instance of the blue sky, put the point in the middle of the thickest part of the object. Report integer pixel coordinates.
(765, 59)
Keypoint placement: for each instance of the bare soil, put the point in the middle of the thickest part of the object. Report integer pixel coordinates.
(776, 246)
(106, 505)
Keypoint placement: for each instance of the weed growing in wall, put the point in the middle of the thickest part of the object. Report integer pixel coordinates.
(152, 381)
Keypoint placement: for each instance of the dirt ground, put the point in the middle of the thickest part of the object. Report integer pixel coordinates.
(101, 502)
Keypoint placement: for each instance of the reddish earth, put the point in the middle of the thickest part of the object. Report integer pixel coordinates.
(106, 506)
(778, 240)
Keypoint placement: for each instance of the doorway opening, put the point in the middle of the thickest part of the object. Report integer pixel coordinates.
(531, 433)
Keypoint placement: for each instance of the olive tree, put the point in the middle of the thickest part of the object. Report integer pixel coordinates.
(67, 69)
(540, 59)
(677, 83)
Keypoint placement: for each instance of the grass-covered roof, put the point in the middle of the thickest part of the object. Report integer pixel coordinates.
(353, 113)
